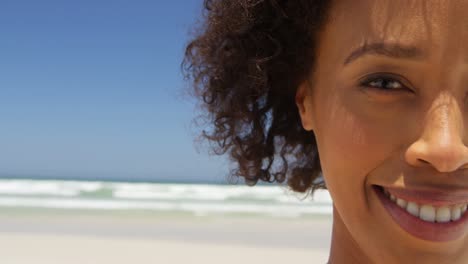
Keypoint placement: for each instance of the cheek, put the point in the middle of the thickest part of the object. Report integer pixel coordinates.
(350, 147)
(351, 144)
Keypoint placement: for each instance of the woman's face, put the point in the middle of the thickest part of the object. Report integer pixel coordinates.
(388, 106)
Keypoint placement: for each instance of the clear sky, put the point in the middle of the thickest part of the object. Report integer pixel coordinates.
(91, 88)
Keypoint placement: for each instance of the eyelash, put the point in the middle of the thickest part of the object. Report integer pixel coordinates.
(384, 79)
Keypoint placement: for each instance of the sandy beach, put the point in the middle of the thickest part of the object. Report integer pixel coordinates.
(55, 236)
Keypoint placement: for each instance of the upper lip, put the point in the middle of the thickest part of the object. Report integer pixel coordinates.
(432, 196)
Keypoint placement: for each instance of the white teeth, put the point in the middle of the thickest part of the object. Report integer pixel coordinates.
(456, 213)
(443, 214)
(413, 209)
(401, 203)
(427, 213)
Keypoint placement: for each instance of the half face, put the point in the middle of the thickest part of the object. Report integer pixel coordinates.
(387, 104)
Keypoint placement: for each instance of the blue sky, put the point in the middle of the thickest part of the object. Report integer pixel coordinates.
(92, 89)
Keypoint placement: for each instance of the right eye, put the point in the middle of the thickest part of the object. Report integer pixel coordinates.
(383, 83)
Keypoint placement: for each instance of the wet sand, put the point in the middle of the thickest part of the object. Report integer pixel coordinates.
(108, 237)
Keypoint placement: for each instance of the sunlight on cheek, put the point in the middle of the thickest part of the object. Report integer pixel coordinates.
(351, 144)
(345, 124)
(353, 130)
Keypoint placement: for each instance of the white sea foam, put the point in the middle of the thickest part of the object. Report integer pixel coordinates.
(196, 208)
(52, 188)
(199, 199)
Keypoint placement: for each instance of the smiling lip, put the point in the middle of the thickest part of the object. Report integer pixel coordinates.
(432, 197)
(438, 232)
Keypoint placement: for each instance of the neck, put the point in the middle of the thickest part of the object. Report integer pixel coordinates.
(345, 250)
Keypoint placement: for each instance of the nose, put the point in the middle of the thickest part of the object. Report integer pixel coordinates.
(440, 144)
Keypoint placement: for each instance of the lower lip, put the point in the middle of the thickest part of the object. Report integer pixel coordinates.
(437, 232)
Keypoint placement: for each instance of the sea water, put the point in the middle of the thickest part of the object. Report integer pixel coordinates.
(193, 198)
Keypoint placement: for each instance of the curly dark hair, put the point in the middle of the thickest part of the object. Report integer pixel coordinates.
(245, 63)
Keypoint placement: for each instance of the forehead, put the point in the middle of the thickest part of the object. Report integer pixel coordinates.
(439, 27)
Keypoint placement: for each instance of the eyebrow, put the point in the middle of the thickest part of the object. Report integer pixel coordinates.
(392, 50)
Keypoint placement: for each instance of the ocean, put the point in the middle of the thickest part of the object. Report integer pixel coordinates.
(199, 199)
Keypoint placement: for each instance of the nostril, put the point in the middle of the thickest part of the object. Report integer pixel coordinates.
(423, 161)
(443, 155)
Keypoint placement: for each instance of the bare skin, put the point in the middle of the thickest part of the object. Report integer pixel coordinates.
(409, 133)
